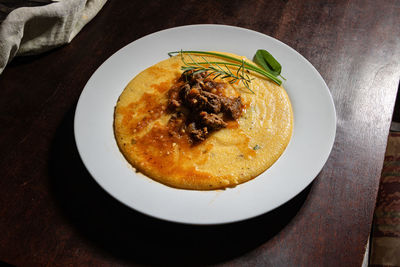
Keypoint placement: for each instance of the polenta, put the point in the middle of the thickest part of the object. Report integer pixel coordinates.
(160, 142)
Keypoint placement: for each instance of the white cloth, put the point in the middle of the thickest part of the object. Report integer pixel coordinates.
(32, 30)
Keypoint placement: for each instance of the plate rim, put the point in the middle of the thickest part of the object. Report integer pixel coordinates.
(93, 76)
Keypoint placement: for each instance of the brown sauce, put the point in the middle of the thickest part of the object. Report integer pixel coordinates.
(162, 87)
(158, 147)
(149, 105)
(159, 150)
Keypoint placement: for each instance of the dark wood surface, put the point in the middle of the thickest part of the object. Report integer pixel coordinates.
(53, 213)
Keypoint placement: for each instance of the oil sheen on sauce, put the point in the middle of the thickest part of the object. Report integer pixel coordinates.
(165, 150)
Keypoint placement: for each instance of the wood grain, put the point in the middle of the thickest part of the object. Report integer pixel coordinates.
(53, 213)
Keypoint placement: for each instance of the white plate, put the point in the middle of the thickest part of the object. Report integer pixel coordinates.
(313, 133)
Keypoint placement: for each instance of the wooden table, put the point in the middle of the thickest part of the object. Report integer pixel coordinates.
(53, 213)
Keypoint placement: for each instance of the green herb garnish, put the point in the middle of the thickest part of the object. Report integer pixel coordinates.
(256, 147)
(217, 69)
(264, 59)
(242, 66)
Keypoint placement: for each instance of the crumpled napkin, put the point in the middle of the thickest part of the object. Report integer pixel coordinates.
(35, 26)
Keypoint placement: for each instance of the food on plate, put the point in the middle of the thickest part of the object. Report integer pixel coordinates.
(196, 121)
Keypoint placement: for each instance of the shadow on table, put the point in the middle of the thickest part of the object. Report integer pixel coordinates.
(133, 237)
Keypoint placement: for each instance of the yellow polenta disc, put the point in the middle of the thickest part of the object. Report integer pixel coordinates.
(227, 157)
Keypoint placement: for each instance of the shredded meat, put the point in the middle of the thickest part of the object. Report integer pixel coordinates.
(200, 100)
(212, 121)
(204, 105)
(197, 134)
(173, 98)
(232, 106)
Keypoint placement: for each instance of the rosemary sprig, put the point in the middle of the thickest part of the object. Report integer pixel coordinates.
(246, 65)
(218, 69)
